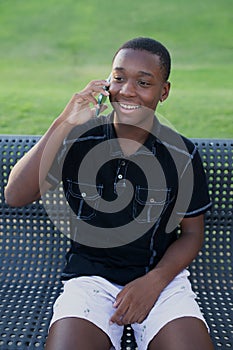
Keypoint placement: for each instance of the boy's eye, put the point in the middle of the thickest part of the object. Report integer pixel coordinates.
(143, 83)
(118, 78)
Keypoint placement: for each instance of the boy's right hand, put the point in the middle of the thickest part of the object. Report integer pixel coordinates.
(82, 105)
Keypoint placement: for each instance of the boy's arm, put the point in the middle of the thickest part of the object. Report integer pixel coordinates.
(27, 180)
(137, 298)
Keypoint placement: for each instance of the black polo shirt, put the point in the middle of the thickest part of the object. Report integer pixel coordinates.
(125, 211)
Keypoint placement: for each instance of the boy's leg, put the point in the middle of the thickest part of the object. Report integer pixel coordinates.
(76, 334)
(182, 334)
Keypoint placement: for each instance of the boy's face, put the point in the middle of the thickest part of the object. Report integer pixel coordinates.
(137, 82)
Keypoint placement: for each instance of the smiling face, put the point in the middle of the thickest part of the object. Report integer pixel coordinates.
(137, 81)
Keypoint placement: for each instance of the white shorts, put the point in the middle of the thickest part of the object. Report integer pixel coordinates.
(92, 298)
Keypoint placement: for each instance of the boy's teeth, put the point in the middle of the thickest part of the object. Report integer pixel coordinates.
(129, 106)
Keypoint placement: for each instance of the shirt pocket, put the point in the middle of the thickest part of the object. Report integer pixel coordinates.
(83, 199)
(149, 204)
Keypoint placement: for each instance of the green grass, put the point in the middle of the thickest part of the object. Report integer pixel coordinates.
(51, 49)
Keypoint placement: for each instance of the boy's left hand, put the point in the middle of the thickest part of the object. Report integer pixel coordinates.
(135, 301)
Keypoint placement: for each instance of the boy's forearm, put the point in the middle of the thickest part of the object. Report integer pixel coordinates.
(28, 176)
(181, 253)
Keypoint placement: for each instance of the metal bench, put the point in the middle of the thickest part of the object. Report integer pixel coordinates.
(32, 255)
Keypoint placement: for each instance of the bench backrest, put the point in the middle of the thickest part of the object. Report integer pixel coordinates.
(32, 253)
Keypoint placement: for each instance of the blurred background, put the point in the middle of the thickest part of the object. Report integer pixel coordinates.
(51, 49)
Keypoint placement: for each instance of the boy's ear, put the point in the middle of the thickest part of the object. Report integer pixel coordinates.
(165, 92)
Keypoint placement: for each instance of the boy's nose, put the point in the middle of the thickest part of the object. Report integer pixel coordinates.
(128, 89)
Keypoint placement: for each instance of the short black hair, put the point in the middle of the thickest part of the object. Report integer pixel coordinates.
(152, 46)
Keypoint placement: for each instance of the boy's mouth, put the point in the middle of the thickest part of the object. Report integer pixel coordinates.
(129, 107)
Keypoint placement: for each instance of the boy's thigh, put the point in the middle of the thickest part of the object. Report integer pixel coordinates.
(182, 333)
(88, 299)
(75, 333)
(176, 302)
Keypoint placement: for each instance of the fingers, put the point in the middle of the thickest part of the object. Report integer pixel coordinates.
(79, 109)
(91, 90)
(131, 304)
(118, 316)
(124, 313)
(124, 316)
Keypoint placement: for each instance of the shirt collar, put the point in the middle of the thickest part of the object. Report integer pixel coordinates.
(148, 148)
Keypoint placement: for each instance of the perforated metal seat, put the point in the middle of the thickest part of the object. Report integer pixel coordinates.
(32, 255)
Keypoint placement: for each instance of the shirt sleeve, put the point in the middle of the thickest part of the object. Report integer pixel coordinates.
(54, 175)
(194, 188)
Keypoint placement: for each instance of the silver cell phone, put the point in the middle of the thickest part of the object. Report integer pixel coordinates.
(102, 98)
